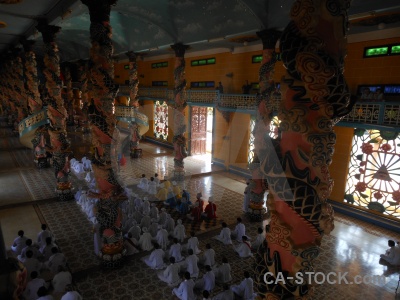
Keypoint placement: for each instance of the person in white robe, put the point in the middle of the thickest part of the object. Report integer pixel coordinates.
(97, 241)
(190, 264)
(31, 264)
(170, 225)
(245, 288)
(259, 240)
(207, 282)
(193, 243)
(156, 179)
(145, 222)
(162, 217)
(146, 206)
(46, 250)
(152, 189)
(246, 198)
(223, 272)
(138, 203)
(171, 274)
(41, 238)
(131, 244)
(392, 255)
(61, 280)
(156, 259)
(162, 238)
(135, 230)
(87, 165)
(19, 243)
(137, 215)
(185, 289)
(244, 248)
(143, 183)
(154, 212)
(56, 260)
(176, 251)
(90, 179)
(225, 235)
(226, 294)
(180, 231)
(71, 294)
(29, 246)
(32, 286)
(239, 231)
(78, 168)
(208, 257)
(145, 240)
(153, 229)
(43, 294)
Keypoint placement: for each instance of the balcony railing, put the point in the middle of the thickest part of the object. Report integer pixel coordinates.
(374, 113)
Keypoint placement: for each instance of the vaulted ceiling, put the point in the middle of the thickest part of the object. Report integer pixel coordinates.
(152, 26)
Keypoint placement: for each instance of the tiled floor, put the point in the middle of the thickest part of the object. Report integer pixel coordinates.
(354, 246)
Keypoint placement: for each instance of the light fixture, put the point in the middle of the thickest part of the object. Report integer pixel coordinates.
(3, 24)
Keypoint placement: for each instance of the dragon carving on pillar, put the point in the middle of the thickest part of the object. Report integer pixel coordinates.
(59, 144)
(179, 139)
(32, 81)
(105, 135)
(314, 98)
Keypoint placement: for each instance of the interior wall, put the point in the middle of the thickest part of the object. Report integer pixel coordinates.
(221, 143)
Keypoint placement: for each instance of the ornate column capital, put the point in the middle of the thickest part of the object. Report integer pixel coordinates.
(179, 49)
(132, 56)
(48, 31)
(269, 37)
(99, 9)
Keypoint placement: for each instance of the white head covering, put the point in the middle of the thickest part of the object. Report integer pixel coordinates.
(144, 229)
(174, 183)
(163, 209)
(145, 198)
(179, 221)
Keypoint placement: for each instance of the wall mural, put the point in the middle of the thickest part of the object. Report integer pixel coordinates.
(373, 181)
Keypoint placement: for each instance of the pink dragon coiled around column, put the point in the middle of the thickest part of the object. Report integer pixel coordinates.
(314, 98)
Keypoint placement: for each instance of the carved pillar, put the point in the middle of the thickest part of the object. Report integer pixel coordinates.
(19, 87)
(179, 139)
(258, 183)
(105, 135)
(56, 112)
(314, 97)
(68, 92)
(133, 90)
(81, 101)
(32, 82)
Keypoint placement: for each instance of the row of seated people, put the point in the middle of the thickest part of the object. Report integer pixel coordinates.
(40, 257)
(214, 273)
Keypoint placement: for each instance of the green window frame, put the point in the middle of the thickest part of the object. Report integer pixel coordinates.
(203, 62)
(157, 65)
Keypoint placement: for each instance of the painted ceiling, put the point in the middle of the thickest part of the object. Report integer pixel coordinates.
(152, 26)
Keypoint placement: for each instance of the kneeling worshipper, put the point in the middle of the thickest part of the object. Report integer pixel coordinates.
(171, 200)
(71, 294)
(239, 231)
(176, 251)
(185, 289)
(245, 288)
(244, 248)
(156, 179)
(29, 246)
(146, 206)
(223, 272)
(162, 194)
(153, 229)
(180, 231)
(135, 230)
(42, 235)
(259, 240)
(193, 243)
(226, 294)
(225, 235)
(195, 215)
(170, 225)
(31, 264)
(33, 286)
(171, 274)
(143, 183)
(392, 255)
(190, 264)
(152, 190)
(146, 221)
(61, 280)
(207, 282)
(131, 245)
(56, 260)
(46, 250)
(156, 259)
(19, 243)
(154, 212)
(162, 237)
(145, 240)
(163, 216)
(208, 257)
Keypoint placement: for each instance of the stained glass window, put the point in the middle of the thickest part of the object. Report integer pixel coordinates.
(373, 180)
(161, 120)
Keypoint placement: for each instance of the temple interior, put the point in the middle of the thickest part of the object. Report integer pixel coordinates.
(206, 96)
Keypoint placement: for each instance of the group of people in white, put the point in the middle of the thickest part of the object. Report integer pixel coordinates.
(84, 167)
(43, 256)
